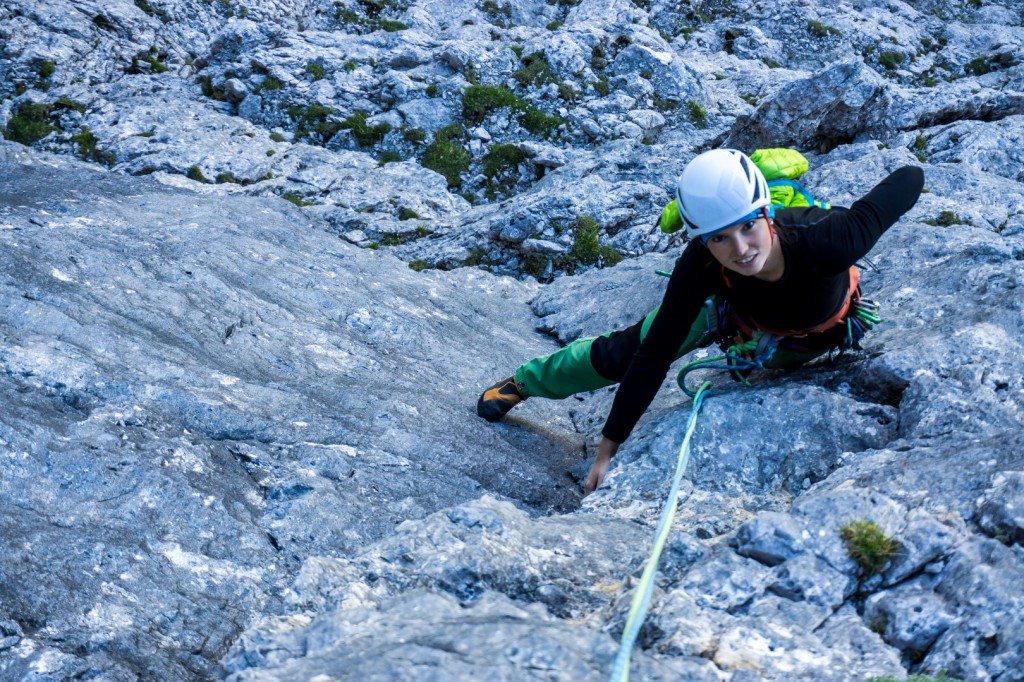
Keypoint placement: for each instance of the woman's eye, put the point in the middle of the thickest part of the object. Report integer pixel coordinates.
(717, 239)
(749, 226)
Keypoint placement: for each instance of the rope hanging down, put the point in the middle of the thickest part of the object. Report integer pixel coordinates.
(642, 596)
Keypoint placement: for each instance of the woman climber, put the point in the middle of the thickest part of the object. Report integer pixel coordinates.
(782, 280)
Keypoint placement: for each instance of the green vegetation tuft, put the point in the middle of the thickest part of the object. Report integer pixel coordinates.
(536, 70)
(224, 178)
(664, 104)
(390, 156)
(193, 173)
(296, 199)
(868, 545)
(820, 30)
(392, 26)
(475, 257)
(206, 84)
(602, 87)
(68, 103)
(538, 122)
(480, 100)
(537, 266)
(921, 148)
(315, 123)
(316, 70)
(363, 133)
(152, 11)
(419, 265)
(415, 135)
(85, 147)
(446, 156)
(587, 248)
(269, 83)
(698, 114)
(277, 137)
(30, 123)
(407, 214)
(947, 218)
(891, 60)
(500, 167)
(499, 15)
(989, 63)
(155, 65)
(45, 69)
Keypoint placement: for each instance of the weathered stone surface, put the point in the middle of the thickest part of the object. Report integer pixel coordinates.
(137, 326)
(484, 545)
(911, 618)
(1001, 511)
(771, 538)
(233, 444)
(433, 637)
(821, 112)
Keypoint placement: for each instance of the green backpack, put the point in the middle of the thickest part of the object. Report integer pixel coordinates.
(781, 168)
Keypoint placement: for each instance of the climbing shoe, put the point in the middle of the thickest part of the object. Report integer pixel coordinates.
(497, 400)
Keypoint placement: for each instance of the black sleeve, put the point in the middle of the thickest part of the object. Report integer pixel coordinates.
(687, 289)
(843, 237)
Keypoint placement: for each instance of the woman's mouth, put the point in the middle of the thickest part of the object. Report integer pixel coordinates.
(746, 261)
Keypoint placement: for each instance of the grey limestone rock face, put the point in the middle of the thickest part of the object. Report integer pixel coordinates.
(169, 369)
(238, 434)
(820, 112)
(1001, 511)
(432, 636)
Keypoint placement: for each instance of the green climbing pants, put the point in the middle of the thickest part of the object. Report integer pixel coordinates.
(599, 361)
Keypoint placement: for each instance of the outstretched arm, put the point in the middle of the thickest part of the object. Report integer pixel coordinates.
(687, 288)
(844, 237)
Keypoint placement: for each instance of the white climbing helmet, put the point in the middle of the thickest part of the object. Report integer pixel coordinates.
(718, 189)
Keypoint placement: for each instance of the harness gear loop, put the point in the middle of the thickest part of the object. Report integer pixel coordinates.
(862, 318)
(753, 346)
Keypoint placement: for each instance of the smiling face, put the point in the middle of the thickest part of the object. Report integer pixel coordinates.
(748, 249)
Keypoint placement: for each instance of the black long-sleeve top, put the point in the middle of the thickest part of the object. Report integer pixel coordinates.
(818, 253)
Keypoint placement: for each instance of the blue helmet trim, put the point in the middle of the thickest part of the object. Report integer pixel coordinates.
(753, 215)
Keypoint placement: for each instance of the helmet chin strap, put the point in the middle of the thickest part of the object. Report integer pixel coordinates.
(768, 219)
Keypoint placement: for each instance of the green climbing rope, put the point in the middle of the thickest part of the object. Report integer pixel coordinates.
(642, 596)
